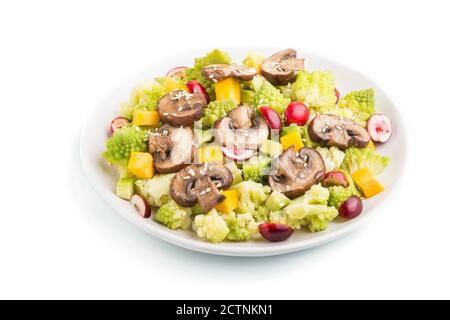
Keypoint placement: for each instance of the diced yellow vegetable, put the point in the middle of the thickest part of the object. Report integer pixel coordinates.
(371, 145)
(367, 182)
(210, 154)
(254, 60)
(292, 138)
(171, 84)
(145, 118)
(229, 88)
(230, 203)
(141, 165)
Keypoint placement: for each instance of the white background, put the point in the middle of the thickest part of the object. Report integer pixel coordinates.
(59, 240)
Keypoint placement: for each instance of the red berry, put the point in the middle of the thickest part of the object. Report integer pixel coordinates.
(337, 94)
(351, 208)
(297, 113)
(275, 232)
(334, 178)
(272, 117)
(195, 86)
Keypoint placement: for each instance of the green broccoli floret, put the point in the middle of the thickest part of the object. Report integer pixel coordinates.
(315, 88)
(126, 140)
(356, 159)
(256, 169)
(252, 198)
(211, 227)
(156, 189)
(195, 73)
(267, 95)
(174, 216)
(332, 157)
(360, 103)
(241, 226)
(339, 195)
(309, 210)
(216, 110)
(143, 97)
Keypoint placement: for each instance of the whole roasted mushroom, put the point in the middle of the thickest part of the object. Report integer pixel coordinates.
(181, 108)
(280, 69)
(295, 173)
(218, 72)
(200, 183)
(241, 129)
(332, 130)
(172, 148)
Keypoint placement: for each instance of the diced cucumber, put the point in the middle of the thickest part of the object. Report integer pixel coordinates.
(125, 188)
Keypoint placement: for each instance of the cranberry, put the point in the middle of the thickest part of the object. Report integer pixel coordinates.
(272, 117)
(335, 178)
(195, 86)
(351, 208)
(297, 112)
(275, 232)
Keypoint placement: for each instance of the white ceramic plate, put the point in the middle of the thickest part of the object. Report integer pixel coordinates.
(103, 177)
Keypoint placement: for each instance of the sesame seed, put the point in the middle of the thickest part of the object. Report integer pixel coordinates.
(208, 190)
(211, 76)
(302, 176)
(186, 177)
(165, 113)
(339, 127)
(215, 80)
(202, 192)
(288, 188)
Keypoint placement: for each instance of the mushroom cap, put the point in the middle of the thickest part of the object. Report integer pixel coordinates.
(280, 68)
(218, 72)
(241, 129)
(332, 130)
(181, 108)
(200, 183)
(295, 173)
(172, 148)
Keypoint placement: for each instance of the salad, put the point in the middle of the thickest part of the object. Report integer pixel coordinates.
(260, 149)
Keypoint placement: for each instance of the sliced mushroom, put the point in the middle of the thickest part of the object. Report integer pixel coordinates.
(218, 72)
(295, 173)
(280, 68)
(332, 130)
(200, 183)
(172, 148)
(241, 129)
(181, 108)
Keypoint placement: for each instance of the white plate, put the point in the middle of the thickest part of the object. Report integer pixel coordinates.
(103, 177)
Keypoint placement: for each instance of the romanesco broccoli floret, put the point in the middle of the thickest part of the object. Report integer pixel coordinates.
(309, 210)
(241, 226)
(174, 216)
(277, 201)
(143, 97)
(256, 169)
(356, 159)
(195, 73)
(126, 140)
(211, 227)
(252, 197)
(361, 104)
(267, 95)
(247, 97)
(315, 88)
(339, 195)
(156, 189)
(216, 110)
(332, 157)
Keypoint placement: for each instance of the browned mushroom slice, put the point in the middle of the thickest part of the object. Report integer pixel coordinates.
(172, 148)
(241, 129)
(295, 173)
(280, 69)
(332, 130)
(200, 183)
(181, 108)
(218, 72)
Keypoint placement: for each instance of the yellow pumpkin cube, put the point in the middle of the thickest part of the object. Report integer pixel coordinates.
(292, 138)
(367, 182)
(141, 165)
(145, 118)
(229, 88)
(371, 145)
(210, 154)
(254, 60)
(171, 84)
(230, 203)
